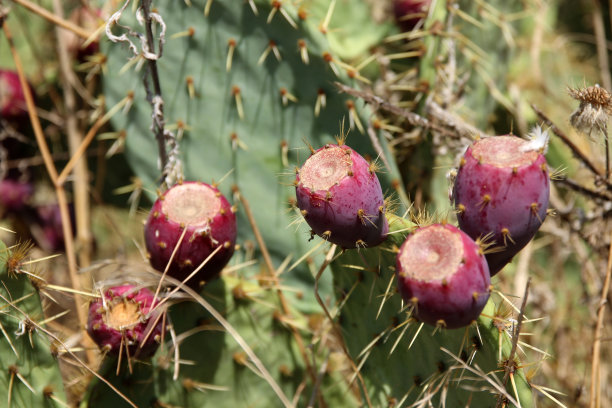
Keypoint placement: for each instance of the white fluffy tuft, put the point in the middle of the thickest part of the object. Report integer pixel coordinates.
(538, 140)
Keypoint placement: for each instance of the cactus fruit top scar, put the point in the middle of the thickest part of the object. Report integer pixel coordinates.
(503, 155)
(434, 254)
(323, 171)
(191, 205)
(120, 320)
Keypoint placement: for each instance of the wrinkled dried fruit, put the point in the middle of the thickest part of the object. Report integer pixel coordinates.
(121, 321)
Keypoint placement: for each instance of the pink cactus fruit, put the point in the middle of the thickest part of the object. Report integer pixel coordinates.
(15, 194)
(443, 274)
(47, 226)
(502, 190)
(122, 320)
(408, 13)
(210, 225)
(12, 100)
(340, 197)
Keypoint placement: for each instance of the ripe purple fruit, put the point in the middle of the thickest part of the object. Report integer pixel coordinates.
(340, 197)
(408, 13)
(502, 189)
(441, 272)
(47, 226)
(120, 320)
(12, 99)
(210, 223)
(14, 194)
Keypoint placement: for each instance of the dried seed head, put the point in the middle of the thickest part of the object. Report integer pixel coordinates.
(594, 110)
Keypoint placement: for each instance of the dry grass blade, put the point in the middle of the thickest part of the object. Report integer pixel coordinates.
(275, 282)
(490, 379)
(68, 25)
(595, 401)
(65, 347)
(265, 374)
(52, 171)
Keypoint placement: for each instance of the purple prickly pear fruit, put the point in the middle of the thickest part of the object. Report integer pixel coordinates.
(47, 226)
(12, 100)
(14, 195)
(121, 320)
(443, 274)
(210, 223)
(502, 190)
(408, 13)
(340, 197)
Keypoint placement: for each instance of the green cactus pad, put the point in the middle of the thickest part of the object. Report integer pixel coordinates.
(277, 99)
(216, 371)
(398, 364)
(28, 370)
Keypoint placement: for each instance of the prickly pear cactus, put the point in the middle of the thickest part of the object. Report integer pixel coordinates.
(214, 370)
(404, 363)
(246, 83)
(471, 45)
(30, 372)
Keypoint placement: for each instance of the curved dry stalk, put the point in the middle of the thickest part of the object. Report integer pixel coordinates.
(44, 13)
(65, 346)
(565, 139)
(265, 374)
(59, 190)
(80, 183)
(276, 284)
(595, 400)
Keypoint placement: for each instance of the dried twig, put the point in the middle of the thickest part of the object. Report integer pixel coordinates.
(595, 401)
(59, 189)
(44, 13)
(271, 270)
(565, 139)
(81, 180)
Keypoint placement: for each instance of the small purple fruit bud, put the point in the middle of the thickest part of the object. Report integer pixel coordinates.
(12, 99)
(14, 195)
(408, 13)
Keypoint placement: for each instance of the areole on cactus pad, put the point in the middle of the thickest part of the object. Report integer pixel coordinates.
(502, 191)
(205, 220)
(340, 197)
